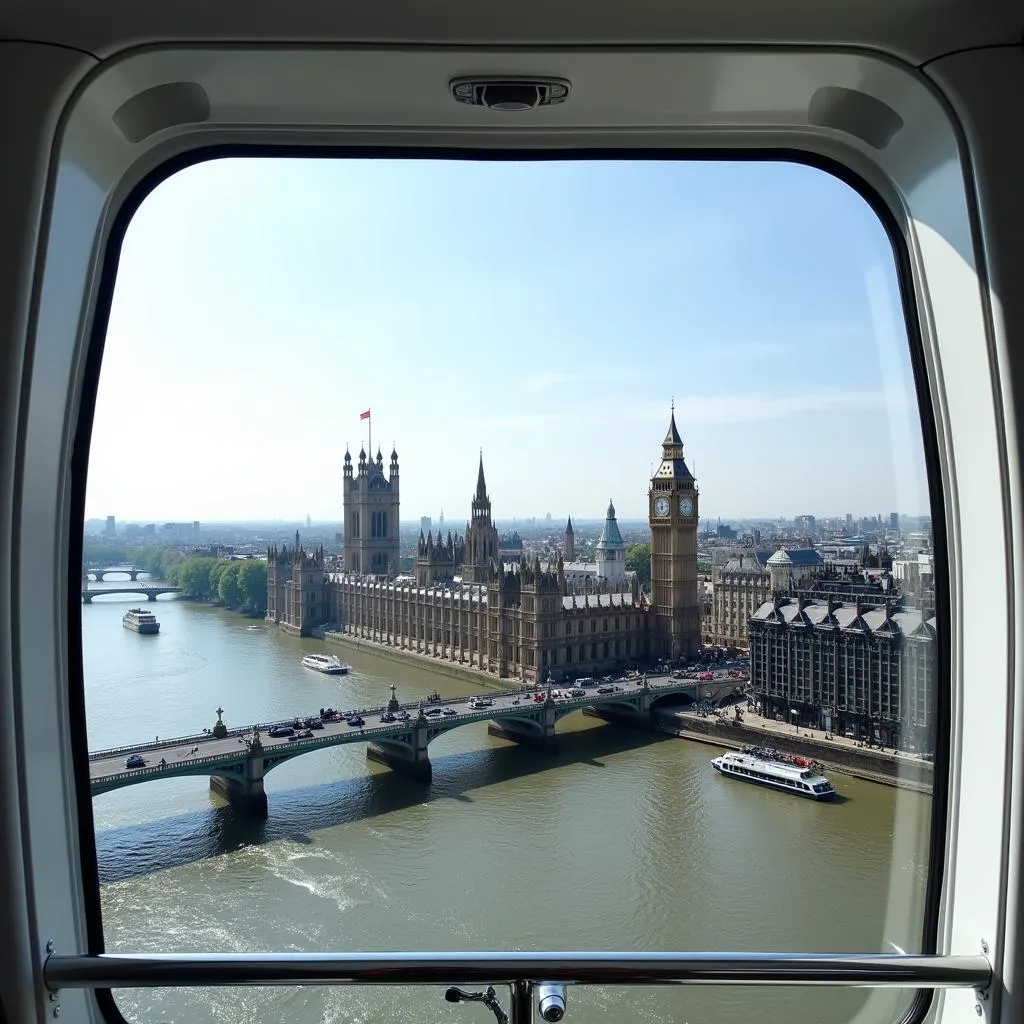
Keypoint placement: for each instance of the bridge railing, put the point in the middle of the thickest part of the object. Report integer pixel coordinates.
(158, 769)
(231, 758)
(177, 741)
(363, 735)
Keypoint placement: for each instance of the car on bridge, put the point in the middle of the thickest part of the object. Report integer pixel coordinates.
(280, 730)
(356, 720)
(135, 761)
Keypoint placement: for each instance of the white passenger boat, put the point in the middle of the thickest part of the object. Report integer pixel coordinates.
(792, 778)
(328, 663)
(140, 621)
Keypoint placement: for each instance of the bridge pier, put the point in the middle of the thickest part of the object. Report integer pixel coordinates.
(536, 730)
(407, 753)
(636, 713)
(244, 792)
(150, 596)
(86, 597)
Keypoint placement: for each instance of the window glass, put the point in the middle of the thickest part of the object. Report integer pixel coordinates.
(478, 353)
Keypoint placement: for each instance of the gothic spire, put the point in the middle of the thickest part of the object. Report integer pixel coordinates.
(673, 465)
(672, 437)
(481, 485)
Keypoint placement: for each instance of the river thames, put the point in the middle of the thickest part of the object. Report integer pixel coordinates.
(620, 840)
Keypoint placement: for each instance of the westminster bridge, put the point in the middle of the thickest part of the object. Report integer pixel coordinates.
(237, 760)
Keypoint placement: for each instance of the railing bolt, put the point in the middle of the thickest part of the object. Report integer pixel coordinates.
(978, 1009)
(984, 947)
(49, 945)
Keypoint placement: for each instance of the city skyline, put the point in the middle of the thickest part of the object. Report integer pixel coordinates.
(555, 523)
(263, 305)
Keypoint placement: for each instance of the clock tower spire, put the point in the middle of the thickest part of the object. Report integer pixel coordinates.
(673, 509)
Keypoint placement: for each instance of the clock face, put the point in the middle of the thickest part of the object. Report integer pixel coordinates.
(686, 506)
(661, 506)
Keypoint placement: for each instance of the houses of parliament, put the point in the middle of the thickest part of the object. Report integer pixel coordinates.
(466, 606)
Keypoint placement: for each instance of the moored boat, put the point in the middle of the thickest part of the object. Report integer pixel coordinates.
(141, 621)
(327, 663)
(791, 778)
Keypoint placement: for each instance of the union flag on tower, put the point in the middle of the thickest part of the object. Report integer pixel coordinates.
(365, 415)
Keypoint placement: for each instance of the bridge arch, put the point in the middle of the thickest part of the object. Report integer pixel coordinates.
(238, 773)
(151, 593)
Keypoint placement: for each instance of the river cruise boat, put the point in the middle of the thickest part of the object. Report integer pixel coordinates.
(327, 663)
(140, 621)
(792, 778)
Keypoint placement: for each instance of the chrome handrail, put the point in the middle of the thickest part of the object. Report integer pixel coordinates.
(866, 970)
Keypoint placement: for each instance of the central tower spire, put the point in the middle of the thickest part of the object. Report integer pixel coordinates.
(481, 534)
(481, 484)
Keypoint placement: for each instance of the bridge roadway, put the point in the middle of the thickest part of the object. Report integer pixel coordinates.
(123, 570)
(151, 591)
(205, 754)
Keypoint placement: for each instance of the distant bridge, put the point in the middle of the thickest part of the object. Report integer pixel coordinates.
(101, 574)
(151, 592)
(236, 760)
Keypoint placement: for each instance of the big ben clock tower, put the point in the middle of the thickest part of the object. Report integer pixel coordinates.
(673, 509)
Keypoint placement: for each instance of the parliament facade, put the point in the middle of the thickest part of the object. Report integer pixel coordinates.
(467, 606)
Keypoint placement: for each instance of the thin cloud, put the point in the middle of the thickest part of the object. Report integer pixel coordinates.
(528, 420)
(545, 381)
(760, 408)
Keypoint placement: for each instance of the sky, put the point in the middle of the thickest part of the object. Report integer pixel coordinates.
(546, 313)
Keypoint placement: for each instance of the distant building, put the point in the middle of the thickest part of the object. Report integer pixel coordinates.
(426, 524)
(847, 658)
(180, 533)
(609, 563)
(296, 597)
(916, 578)
(743, 584)
(807, 526)
(111, 527)
(510, 548)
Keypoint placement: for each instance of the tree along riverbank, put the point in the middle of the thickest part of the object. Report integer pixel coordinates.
(239, 584)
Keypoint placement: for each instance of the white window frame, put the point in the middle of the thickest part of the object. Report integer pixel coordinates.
(959, 216)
